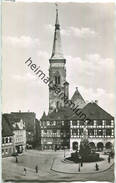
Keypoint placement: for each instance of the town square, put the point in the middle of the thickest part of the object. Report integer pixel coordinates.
(50, 170)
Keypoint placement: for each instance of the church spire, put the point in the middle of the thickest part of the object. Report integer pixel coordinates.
(57, 46)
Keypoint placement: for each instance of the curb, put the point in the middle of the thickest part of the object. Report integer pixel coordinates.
(80, 172)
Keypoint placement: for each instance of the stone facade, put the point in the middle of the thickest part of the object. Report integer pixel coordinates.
(57, 71)
(58, 75)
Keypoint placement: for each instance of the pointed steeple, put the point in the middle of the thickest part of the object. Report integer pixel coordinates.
(57, 46)
(77, 99)
(43, 116)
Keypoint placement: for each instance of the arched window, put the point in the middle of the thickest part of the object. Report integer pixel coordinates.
(92, 145)
(100, 146)
(57, 78)
(108, 145)
(75, 145)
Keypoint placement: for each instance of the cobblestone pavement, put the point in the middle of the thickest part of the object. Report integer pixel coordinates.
(45, 161)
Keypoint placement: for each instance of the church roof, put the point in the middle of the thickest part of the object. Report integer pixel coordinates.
(57, 52)
(43, 116)
(94, 111)
(77, 99)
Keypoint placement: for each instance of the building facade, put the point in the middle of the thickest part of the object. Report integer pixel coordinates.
(55, 130)
(29, 118)
(99, 128)
(19, 132)
(7, 138)
(63, 127)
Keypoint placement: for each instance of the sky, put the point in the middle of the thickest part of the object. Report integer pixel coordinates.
(87, 32)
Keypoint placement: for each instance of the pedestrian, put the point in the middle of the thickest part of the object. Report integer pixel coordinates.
(109, 159)
(36, 169)
(16, 159)
(25, 171)
(97, 167)
(81, 163)
(79, 168)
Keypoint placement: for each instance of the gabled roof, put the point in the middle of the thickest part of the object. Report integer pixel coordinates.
(12, 118)
(93, 111)
(43, 116)
(77, 99)
(62, 114)
(27, 117)
(6, 127)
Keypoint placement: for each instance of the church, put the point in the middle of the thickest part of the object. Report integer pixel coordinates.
(62, 127)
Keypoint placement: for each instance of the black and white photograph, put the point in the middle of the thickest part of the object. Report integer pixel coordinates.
(58, 91)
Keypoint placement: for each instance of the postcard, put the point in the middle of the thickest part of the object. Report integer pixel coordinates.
(58, 92)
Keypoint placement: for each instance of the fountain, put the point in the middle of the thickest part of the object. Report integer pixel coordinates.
(85, 153)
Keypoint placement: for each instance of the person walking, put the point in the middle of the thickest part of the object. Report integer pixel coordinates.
(25, 171)
(97, 167)
(79, 169)
(81, 163)
(16, 159)
(36, 169)
(109, 159)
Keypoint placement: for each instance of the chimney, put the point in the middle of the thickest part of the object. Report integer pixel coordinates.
(19, 111)
(77, 88)
(96, 101)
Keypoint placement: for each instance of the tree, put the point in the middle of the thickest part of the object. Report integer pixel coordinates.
(85, 149)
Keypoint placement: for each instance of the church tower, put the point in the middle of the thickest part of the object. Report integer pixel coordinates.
(57, 70)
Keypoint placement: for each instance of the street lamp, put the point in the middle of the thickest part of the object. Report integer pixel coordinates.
(79, 167)
(64, 151)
